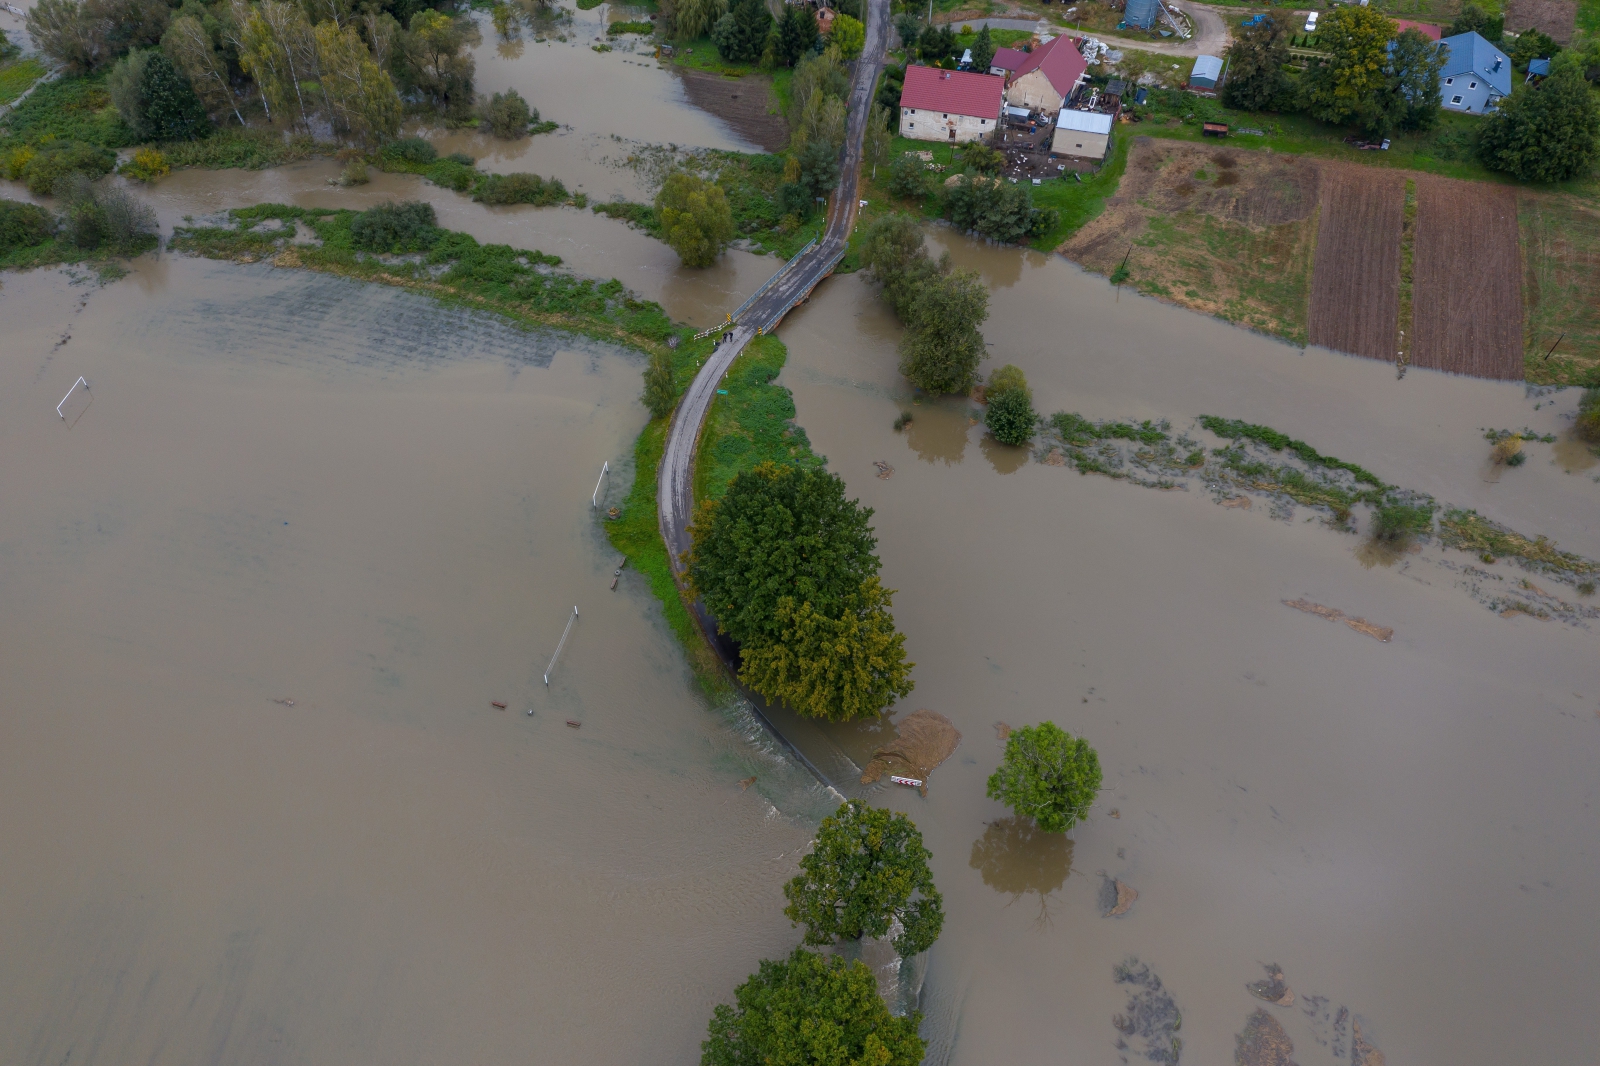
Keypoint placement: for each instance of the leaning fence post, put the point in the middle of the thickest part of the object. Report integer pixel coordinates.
(594, 501)
(563, 644)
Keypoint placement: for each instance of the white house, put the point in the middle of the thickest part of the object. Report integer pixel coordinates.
(949, 105)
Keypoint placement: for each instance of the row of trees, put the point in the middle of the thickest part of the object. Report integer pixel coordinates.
(744, 31)
(318, 62)
(867, 875)
(784, 562)
(1384, 82)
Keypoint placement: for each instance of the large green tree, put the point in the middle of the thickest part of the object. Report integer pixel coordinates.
(695, 218)
(1413, 97)
(849, 36)
(1049, 775)
(866, 871)
(942, 347)
(1010, 415)
(811, 1010)
(741, 34)
(1256, 59)
(155, 99)
(996, 209)
(779, 531)
(436, 62)
(1341, 87)
(1544, 132)
(797, 33)
(841, 667)
(660, 390)
(893, 254)
(983, 50)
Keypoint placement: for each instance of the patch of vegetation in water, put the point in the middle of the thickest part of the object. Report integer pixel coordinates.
(1471, 532)
(1152, 1020)
(1234, 429)
(751, 422)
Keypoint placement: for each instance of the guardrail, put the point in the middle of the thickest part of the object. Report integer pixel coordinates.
(827, 268)
(768, 283)
(703, 334)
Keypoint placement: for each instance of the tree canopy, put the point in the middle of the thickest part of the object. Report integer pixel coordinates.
(741, 34)
(1474, 19)
(695, 218)
(1010, 416)
(867, 870)
(942, 347)
(810, 1010)
(784, 563)
(797, 33)
(1255, 65)
(1413, 96)
(983, 50)
(1049, 775)
(660, 390)
(994, 208)
(1544, 132)
(849, 36)
(1343, 87)
(155, 99)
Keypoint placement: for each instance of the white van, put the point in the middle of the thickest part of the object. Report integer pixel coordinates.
(1311, 22)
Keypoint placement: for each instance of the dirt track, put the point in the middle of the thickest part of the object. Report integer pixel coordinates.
(1355, 280)
(1468, 279)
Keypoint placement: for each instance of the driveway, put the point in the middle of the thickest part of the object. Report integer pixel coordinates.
(1210, 32)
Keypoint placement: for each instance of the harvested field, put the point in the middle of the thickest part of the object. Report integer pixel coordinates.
(746, 104)
(1561, 262)
(1355, 278)
(1557, 18)
(1228, 233)
(1468, 279)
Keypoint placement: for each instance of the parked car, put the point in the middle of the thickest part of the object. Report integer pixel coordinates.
(1311, 22)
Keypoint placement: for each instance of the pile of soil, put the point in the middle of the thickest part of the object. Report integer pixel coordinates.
(746, 104)
(922, 740)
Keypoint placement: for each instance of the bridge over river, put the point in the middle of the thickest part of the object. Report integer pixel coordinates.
(761, 314)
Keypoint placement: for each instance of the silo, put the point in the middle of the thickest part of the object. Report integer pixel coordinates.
(1142, 13)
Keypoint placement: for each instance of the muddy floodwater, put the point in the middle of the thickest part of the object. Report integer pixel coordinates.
(260, 596)
(1408, 829)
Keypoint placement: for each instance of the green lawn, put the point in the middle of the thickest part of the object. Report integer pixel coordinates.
(1081, 202)
(17, 76)
(701, 54)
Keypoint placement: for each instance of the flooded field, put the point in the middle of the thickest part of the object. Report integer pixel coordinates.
(265, 586)
(260, 597)
(1406, 828)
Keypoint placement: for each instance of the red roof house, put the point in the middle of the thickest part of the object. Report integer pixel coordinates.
(1432, 33)
(1007, 60)
(1053, 71)
(949, 105)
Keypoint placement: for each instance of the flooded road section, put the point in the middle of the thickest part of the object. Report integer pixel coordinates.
(1407, 829)
(260, 596)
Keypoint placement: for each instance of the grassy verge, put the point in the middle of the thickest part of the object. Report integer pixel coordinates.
(1080, 202)
(17, 76)
(1561, 266)
(751, 421)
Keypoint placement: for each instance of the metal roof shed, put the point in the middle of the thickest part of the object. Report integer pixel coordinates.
(1207, 72)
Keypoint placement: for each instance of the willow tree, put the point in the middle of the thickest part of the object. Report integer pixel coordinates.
(360, 94)
(279, 51)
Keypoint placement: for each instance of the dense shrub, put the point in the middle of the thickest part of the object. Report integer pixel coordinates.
(412, 150)
(451, 173)
(50, 164)
(23, 225)
(507, 115)
(408, 226)
(519, 189)
(1397, 523)
(111, 217)
(147, 165)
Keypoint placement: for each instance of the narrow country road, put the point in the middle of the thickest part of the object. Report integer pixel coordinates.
(791, 284)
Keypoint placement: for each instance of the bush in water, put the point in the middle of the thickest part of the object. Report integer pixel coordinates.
(408, 226)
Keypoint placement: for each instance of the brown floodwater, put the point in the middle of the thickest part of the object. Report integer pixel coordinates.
(1407, 828)
(289, 487)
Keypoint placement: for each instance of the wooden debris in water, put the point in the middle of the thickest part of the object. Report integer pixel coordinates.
(1055, 457)
(1273, 989)
(885, 471)
(285, 702)
(1002, 731)
(1237, 501)
(1264, 1042)
(747, 782)
(574, 724)
(497, 705)
(922, 740)
(1360, 625)
(1115, 813)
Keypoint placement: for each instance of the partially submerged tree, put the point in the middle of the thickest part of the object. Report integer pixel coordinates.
(507, 115)
(1544, 132)
(942, 347)
(436, 61)
(996, 209)
(1049, 775)
(695, 218)
(1010, 415)
(190, 46)
(85, 35)
(361, 99)
(811, 1008)
(866, 873)
(660, 390)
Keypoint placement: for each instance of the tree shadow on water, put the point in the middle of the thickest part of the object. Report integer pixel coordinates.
(1016, 858)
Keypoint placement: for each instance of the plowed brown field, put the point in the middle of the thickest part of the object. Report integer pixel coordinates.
(1355, 279)
(1467, 279)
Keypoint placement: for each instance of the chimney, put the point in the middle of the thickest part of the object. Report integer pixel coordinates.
(1496, 69)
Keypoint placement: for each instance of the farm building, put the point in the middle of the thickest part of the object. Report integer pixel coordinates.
(949, 105)
(1207, 72)
(1082, 134)
(1006, 61)
(1428, 30)
(1052, 73)
(825, 16)
(1142, 13)
(1475, 76)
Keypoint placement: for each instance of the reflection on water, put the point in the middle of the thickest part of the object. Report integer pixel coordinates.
(1005, 458)
(1574, 454)
(1017, 858)
(939, 429)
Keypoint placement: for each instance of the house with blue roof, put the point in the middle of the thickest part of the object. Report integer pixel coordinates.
(1475, 75)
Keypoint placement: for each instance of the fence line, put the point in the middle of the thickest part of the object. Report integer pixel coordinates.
(68, 396)
(563, 644)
